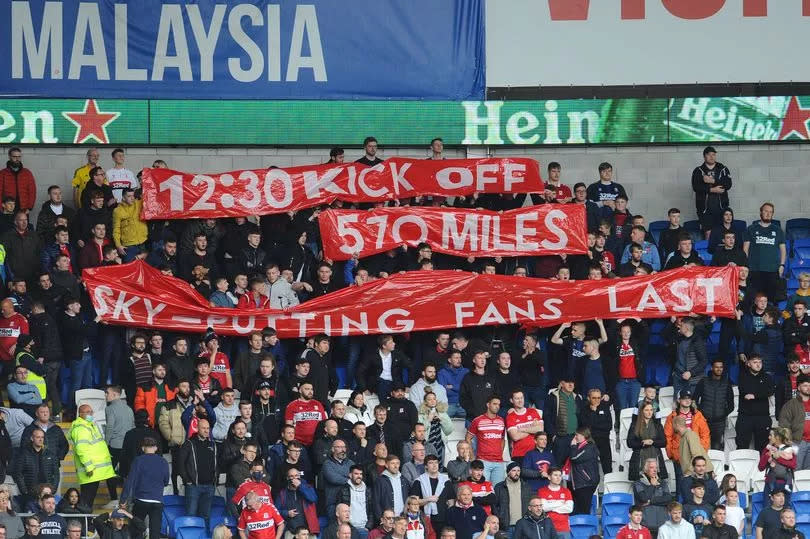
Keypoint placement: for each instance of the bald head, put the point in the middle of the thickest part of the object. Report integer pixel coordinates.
(7, 307)
(85, 409)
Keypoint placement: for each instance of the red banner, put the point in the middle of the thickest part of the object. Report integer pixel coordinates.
(538, 230)
(169, 194)
(138, 295)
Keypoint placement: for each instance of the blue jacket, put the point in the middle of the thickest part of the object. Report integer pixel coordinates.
(285, 501)
(451, 376)
(189, 411)
(146, 479)
(529, 467)
(221, 299)
(50, 252)
(649, 255)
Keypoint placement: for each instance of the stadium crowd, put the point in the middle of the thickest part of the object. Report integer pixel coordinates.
(541, 408)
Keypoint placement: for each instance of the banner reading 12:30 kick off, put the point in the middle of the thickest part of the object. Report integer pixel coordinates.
(405, 123)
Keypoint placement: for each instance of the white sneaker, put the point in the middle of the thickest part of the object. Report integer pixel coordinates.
(113, 504)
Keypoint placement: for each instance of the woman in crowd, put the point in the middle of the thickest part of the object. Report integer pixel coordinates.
(647, 440)
(357, 410)
(433, 415)
(584, 470)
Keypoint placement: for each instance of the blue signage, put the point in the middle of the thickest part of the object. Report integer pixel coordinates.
(308, 49)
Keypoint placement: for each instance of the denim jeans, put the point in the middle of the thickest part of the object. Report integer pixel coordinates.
(384, 388)
(131, 252)
(198, 501)
(494, 471)
(455, 410)
(81, 371)
(362, 533)
(536, 395)
(627, 393)
(803, 460)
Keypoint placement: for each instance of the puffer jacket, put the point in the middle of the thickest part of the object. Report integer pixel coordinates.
(584, 466)
(45, 332)
(55, 439)
(51, 251)
(30, 468)
(46, 220)
(128, 228)
(170, 423)
(699, 425)
(529, 527)
(20, 185)
(91, 453)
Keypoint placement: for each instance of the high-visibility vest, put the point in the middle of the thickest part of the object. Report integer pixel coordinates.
(33, 378)
(90, 452)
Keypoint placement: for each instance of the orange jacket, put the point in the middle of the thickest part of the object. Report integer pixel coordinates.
(699, 425)
(146, 398)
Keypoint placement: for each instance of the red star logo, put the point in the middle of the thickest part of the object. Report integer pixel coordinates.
(91, 123)
(795, 121)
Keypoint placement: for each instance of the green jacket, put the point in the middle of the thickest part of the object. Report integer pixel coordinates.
(90, 452)
(792, 417)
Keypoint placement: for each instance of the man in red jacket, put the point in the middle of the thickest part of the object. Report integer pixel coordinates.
(12, 324)
(18, 182)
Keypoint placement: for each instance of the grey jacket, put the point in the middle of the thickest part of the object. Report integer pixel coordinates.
(120, 420)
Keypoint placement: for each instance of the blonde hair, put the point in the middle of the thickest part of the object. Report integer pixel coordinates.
(782, 433)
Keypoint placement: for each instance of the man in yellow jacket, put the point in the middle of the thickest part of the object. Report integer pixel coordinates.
(90, 454)
(129, 230)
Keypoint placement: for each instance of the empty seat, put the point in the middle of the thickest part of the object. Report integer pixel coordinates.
(801, 479)
(611, 525)
(666, 397)
(617, 482)
(616, 503)
(743, 462)
(801, 502)
(718, 459)
(191, 527)
(583, 526)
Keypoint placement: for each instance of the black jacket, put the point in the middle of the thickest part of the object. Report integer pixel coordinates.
(531, 528)
(474, 391)
(723, 256)
(55, 439)
(31, 468)
(634, 443)
(345, 496)
(194, 454)
(45, 332)
(599, 421)
(761, 386)
(46, 220)
(370, 368)
(323, 375)
(639, 339)
(132, 447)
(678, 261)
(75, 332)
(704, 200)
(501, 507)
(714, 398)
(584, 466)
(105, 529)
(384, 494)
(796, 331)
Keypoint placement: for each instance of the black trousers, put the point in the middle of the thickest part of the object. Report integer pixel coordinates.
(112, 482)
(717, 429)
(766, 282)
(87, 493)
(583, 497)
(749, 427)
(175, 452)
(155, 513)
(605, 454)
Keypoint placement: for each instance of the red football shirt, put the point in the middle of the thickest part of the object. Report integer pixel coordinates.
(514, 421)
(260, 524)
(562, 193)
(557, 499)
(221, 366)
(305, 416)
(489, 433)
(631, 533)
(627, 361)
(10, 329)
(261, 489)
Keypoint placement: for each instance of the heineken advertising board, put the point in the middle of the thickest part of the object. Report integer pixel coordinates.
(321, 123)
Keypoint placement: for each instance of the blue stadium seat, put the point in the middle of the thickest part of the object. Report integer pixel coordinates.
(228, 520)
(705, 255)
(171, 499)
(801, 502)
(656, 227)
(189, 524)
(170, 514)
(583, 526)
(743, 499)
(701, 245)
(757, 503)
(798, 228)
(616, 504)
(218, 501)
(612, 525)
(802, 253)
(594, 503)
(693, 227)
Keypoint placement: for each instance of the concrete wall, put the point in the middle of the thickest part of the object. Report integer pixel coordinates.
(655, 177)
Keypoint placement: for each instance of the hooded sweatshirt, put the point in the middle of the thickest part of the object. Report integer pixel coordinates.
(682, 530)
(396, 485)
(358, 517)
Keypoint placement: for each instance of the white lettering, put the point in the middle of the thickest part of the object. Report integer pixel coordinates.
(361, 181)
(612, 301)
(88, 18)
(485, 174)
(709, 285)
(400, 325)
(360, 325)
(243, 329)
(680, 289)
(650, 298)
(468, 232)
(497, 240)
(399, 222)
(152, 311)
(122, 307)
(399, 177)
(122, 69)
(562, 237)
(248, 45)
(30, 127)
(273, 42)
(492, 121)
(314, 183)
(306, 21)
(24, 37)
(491, 316)
(302, 322)
(513, 173)
(521, 231)
(7, 121)
(101, 293)
(206, 41)
(551, 305)
(462, 312)
(514, 129)
(445, 177)
(171, 23)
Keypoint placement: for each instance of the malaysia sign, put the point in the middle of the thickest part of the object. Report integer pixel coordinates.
(260, 49)
(645, 42)
(548, 122)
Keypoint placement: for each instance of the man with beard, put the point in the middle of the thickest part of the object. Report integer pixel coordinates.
(18, 182)
(402, 415)
(304, 414)
(266, 372)
(428, 380)
(266, 412)
(171, 424)
(137, 370)
(765, 247)
(715, 399)
(322, 371)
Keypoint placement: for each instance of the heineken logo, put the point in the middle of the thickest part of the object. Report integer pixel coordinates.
(91, 123)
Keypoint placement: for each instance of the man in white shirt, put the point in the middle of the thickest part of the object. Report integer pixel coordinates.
(120, 178)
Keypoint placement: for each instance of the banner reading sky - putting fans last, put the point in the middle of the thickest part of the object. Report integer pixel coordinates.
(170, 194)
(536, 230)
(139, 295)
